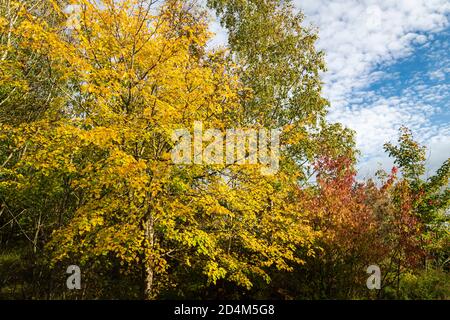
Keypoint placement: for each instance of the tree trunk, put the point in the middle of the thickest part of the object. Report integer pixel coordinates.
(149, 276)
(398, 277)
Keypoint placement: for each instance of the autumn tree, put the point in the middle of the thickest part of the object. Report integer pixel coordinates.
(92, 95)
(281, 67)
(429, 198)
(113, 202)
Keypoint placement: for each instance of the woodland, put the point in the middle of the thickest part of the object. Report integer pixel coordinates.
(89, 100)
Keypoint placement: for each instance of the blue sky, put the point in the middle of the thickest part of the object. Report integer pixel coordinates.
(388, 65)
(412, 90)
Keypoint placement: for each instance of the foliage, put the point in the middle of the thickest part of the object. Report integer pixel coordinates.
(87, 113)
(432, 284)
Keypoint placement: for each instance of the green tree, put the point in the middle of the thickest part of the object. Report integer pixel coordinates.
(427, 198)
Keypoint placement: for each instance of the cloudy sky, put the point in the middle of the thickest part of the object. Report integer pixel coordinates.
(388, 64)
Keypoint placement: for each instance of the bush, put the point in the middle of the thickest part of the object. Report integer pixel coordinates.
(431, 284)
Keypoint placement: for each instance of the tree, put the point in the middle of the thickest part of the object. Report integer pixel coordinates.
(101, 156)
(408, 155)
(92, 101)
(429, 198)
(280, 68)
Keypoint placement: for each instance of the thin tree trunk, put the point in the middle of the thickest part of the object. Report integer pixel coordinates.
(398, 277)
(149, 274)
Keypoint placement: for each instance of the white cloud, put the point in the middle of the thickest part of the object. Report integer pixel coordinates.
(438, 74)
(357, 35)
(360, 36)
(220, 34)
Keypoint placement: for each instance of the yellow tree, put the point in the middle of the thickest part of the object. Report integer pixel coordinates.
(132, 73)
